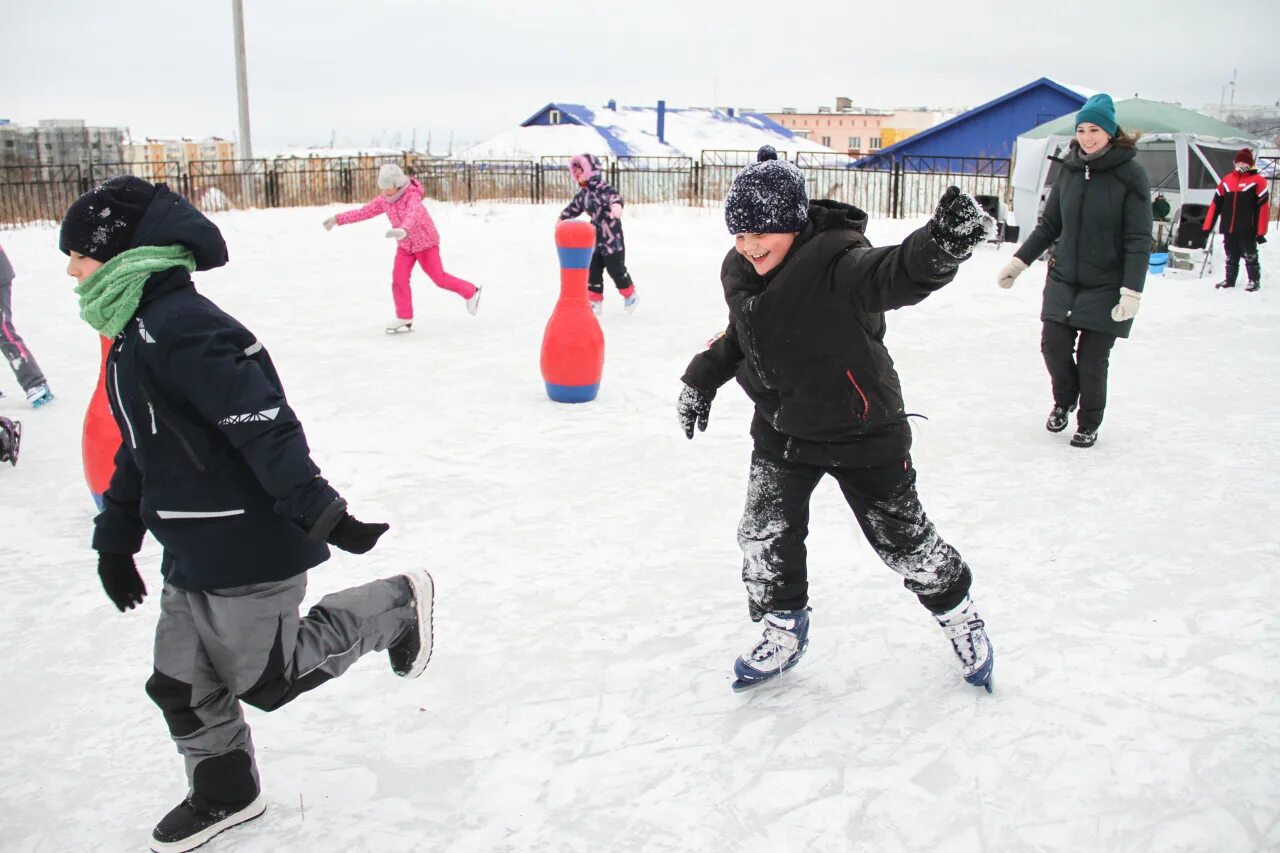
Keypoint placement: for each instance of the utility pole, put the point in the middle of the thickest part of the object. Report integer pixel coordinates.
(242, 80)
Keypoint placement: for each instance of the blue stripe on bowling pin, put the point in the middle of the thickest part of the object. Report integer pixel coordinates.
(572, 393)
(575, 259)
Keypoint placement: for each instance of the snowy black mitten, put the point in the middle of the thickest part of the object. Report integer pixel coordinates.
(693, 408)
(330, 222)
(397, 233)
(356, 537)
(121, 580)
(959, 223)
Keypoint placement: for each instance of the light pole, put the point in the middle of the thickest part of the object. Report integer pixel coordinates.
(242, 80)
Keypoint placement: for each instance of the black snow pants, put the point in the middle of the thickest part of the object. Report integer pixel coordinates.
(1236, 248)
(616, 264)
(1078, 369)
(884, 501)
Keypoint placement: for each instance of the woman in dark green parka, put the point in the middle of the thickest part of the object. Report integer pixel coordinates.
(1099, 212)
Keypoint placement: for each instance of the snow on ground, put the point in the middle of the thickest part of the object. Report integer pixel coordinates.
(589, 606)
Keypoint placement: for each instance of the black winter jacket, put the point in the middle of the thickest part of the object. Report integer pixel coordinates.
(806, 341)
(214, 462)
(1100, 214)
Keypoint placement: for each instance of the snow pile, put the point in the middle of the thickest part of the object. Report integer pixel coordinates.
(589, 602)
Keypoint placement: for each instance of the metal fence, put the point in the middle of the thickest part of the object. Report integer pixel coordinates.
(908, 188)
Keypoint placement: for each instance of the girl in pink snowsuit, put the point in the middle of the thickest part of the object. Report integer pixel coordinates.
(416, 240)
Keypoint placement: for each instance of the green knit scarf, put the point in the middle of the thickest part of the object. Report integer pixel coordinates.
(110, 297)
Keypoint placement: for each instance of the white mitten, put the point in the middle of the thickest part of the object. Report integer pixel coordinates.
(615, 211)
(330, 222)
(1011, 271)
(1127, 307)
(397, 233)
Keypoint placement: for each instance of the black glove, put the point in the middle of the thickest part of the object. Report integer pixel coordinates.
(121, 580)
(354, 536)
(1261, 240)
(959, 223)
(694, 407)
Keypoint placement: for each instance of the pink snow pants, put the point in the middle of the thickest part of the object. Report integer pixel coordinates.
(431, 265)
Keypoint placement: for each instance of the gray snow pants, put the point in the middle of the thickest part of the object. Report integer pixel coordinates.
(884, 501)
(218, 647)
(12, 346)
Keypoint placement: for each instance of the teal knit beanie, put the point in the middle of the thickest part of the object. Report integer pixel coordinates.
(1101, 111)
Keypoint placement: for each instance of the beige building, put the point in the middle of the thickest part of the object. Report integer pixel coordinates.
(856, 131)
(846, 129)
(152, 158)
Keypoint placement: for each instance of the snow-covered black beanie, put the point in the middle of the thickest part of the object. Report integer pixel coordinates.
(767, 197)
(100, 224)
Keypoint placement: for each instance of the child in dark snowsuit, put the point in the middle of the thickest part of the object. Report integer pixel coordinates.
(1244, 207)
(215, 465)
(807, 297)
(603, 205)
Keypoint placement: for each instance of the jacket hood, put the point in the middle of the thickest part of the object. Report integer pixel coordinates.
(172, 220)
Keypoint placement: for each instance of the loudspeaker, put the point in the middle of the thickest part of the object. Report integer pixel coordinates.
(1191, 233)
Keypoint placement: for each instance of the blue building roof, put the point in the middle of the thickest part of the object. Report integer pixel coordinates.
(989, 130)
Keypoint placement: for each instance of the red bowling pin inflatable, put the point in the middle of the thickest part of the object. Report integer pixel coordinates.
(573, 345)
(101, 438)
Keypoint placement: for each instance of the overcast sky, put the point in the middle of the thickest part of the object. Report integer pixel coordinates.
(360, 72)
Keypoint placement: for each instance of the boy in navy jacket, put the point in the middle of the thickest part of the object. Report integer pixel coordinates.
(214, 463)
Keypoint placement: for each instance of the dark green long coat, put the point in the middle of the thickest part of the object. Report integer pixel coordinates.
(1100, 214)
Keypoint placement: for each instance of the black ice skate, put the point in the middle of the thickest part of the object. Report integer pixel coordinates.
(187, 826)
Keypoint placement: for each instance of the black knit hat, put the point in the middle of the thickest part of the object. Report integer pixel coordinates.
(100, 224)
(767, 197)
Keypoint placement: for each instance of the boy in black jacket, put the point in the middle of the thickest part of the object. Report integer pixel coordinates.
(807, 297)
(215, 465)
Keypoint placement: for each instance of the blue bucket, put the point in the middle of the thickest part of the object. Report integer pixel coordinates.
(1159, 260)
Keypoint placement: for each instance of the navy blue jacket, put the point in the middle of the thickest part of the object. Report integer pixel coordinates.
(214, 462)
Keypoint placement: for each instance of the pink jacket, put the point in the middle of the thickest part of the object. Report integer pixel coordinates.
(406, 212)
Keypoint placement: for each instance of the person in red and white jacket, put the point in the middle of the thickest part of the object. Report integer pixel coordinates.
(1243, 204)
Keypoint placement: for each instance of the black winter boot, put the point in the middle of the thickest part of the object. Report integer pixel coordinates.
(1225, 284)
(1058, 418)
(1084, 438)
(224, 794)
(1252, 286)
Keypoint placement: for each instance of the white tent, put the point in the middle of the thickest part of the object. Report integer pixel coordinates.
(1185, 155)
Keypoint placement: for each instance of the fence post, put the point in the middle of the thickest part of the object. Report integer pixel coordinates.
(470, 198)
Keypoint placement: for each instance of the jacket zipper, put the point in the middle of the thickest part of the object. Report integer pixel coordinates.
(1084, 193)
(182, 439)
(115, 379)
(866, 404)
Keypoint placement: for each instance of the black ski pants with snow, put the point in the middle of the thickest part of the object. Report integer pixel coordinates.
(1241, 247)
(616, 264)
(1078, 360)
(884, 502)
